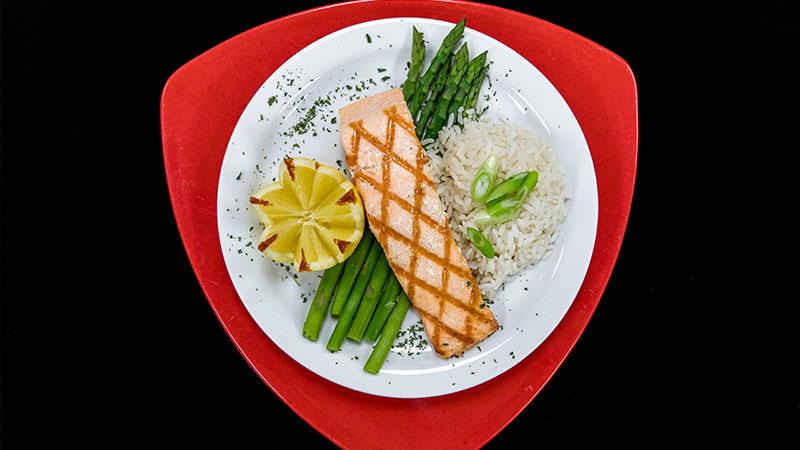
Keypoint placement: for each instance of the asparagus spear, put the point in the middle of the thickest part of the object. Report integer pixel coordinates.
(438, 87)
(351, 268)
(370, 300)
(349, 310)
(475, 90)
(474, 68)
(442, 54)
(417, 58)
(319, 306)
(456, 73)
(390, 330)
(385, 306)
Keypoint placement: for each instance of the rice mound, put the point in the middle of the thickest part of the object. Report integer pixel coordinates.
(455, 157)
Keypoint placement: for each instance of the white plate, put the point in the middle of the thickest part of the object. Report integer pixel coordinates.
(275, 298)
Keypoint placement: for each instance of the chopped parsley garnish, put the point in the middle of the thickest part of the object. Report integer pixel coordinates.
(304, 124)
(322, 101)
(385, 78)
(272, 100)
(411, 341)
(369, 39)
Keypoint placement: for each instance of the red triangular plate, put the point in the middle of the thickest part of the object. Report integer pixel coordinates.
(200, 106)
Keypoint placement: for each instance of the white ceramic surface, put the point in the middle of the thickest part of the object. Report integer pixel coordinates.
(531, 304)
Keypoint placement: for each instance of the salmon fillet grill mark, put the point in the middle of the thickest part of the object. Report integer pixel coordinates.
(390, 171)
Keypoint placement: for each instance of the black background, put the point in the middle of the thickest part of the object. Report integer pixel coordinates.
(108, 339)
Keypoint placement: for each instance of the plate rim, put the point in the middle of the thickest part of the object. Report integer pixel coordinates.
(629, 136)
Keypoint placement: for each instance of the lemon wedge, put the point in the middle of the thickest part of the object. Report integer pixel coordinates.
(313, 216)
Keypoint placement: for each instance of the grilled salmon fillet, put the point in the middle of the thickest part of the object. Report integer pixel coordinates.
(390, 171)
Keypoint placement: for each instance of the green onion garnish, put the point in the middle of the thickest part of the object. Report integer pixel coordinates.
(506, 208)
(480, 242)
(507, 186)
(483, 183)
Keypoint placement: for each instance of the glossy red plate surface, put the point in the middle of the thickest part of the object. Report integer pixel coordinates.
(200, 106)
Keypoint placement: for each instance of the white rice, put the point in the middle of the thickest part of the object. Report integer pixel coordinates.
(523, 241)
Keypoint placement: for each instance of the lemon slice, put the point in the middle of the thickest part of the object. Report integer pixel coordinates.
(313, 216)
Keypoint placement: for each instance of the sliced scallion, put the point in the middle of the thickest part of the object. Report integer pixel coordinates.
(506, 208)
(483, 183)
(507, 186)
(480, 242)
